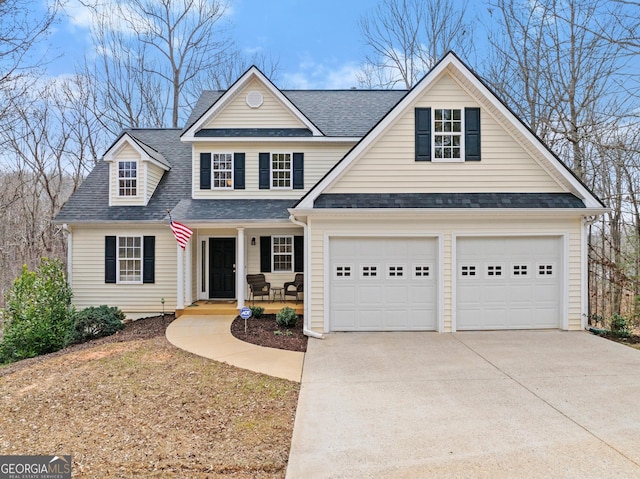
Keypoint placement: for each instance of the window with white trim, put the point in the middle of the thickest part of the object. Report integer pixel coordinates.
(468, 270)
(281, 170)
(447, 135)
(282, 253)
(343, 271)
(395, 271)
(494, 270)
(129, 259)
(545, 270)
(421, 271)
(520, 270)
(222, 170)
(127, 178)
(370, 271)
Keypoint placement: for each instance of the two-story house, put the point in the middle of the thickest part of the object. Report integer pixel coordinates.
(429, 209)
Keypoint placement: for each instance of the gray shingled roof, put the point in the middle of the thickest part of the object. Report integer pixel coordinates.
(347, 113)
(233, 209)
(448, 200)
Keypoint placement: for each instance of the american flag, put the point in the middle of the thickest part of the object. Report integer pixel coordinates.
(181, 232)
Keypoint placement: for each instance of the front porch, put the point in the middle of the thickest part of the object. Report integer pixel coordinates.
(222, 307)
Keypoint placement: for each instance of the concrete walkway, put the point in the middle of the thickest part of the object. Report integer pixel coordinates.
(210, 337)
(467, 405)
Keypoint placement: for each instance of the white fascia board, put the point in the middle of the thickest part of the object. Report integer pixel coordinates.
(450, 212)
(126, 139)
(231, 93)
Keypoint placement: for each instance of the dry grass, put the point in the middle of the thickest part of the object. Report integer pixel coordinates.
(144, 408)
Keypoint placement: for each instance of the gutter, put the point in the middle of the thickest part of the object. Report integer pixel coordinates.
(305, 327)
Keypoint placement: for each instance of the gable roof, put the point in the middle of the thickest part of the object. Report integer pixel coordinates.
(253, 73)
(141, 147)
(452, 63)
(337, 113)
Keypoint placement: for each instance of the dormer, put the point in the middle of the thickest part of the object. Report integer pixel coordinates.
(135, 169)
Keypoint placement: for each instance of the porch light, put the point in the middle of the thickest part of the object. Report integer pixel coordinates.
(253, 241)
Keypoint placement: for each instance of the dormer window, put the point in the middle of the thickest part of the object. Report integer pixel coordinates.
(127, 178)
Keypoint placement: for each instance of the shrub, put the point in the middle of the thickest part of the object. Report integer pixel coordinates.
(256, 311)
(286, 318)
(96, 322)
(37, 318)
(620, 326)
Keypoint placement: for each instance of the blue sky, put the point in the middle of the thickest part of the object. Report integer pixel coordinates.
(318, 43)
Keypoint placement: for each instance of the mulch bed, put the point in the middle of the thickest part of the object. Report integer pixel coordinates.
(263, 333)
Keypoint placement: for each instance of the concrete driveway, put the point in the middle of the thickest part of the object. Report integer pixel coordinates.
(513, 404)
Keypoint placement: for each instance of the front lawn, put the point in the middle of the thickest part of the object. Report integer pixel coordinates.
(129, 407)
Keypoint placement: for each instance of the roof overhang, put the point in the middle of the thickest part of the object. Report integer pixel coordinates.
(127, 140)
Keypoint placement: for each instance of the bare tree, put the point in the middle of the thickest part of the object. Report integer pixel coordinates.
(151, 51)
(22, 28)
(407, 37)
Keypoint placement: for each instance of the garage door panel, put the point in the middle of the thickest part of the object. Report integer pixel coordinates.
(517, 282)
(394, 280)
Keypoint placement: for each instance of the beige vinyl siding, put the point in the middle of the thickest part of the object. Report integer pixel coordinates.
(271, 114)
(89, 288)
(153, 176)
(127, 153)
(386, 225)
(318, 159)
(389, 164)
(253, 254)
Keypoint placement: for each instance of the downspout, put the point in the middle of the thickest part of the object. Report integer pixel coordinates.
(586, 223)
(66, 228)
(305, 327)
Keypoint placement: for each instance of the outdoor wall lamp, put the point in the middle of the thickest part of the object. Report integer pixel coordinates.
(253, 241)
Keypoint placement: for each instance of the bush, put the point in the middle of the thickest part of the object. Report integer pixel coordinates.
(96, 322)
(620, 326)
(256, 311)
(286, 318)
(38, 316)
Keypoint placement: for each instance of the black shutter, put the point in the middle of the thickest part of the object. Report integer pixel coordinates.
(298, 171)
(263, 171)
(109, 259)
(148, 259)
(205, 171)
(423, 134)
(298, 254)
(472, 134)
(238, 171)
(265, 254)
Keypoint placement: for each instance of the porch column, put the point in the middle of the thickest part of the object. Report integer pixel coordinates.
(180, 277)
(188, 278)
(241, 287)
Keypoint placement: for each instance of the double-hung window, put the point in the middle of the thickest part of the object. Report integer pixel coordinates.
(127, 178)
(447, 134)
(281, 170)
(222, 170)
(282, 250)
(129, 259)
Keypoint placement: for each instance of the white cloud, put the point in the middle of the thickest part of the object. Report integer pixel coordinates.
(79, 15)
(312, 75)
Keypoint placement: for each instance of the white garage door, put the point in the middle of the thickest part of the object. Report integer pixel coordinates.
(383, 284)
(508, 283)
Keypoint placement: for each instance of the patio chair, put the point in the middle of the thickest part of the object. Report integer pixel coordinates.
(258, 286)
(295, 287)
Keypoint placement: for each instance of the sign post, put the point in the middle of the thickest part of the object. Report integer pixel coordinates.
(245, 313)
